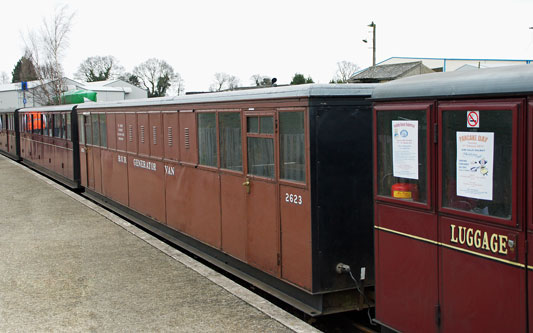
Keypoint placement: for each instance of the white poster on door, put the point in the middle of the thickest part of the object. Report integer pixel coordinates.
(405, 148)
(475, 157)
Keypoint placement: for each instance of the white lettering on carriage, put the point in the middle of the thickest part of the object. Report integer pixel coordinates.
(169, 170)
(120, 132)
(144, 164)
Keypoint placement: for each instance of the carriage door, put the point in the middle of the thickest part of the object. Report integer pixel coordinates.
(405, 222)
(261, 187)
(481, 218)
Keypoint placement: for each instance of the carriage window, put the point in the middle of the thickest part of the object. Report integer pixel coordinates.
(261, 146)
(292, 146)
(96, 134)
(229, 125)
(263, 125)
(261, 157)
(45, 124)
(32, 121)
(50, 123)
(29, 123)
(68, 127)
(252, 124)
(477, 163)
(57, 125)
(39, 125)
(87, 134)
(103, 130)
(63, 126)
(267, 125)
(207, 139)
(402, 149)
(24, 124)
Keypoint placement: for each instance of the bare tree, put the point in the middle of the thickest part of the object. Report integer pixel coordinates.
(99, 68)
(345, 70)
(4, 78)
(46, 49)
(157, 76)
(261, 80)
(224, 81)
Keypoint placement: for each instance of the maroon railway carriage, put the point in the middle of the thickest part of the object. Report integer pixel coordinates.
(453, 186)
(9, 134)
(47, 142)
(271, 184)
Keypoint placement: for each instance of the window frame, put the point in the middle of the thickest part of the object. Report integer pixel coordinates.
(428, 108)
(241, 121)
(273, 136)
(97, 115)
(204, 166)
(288, 182)
(514, 106)
(102, 132)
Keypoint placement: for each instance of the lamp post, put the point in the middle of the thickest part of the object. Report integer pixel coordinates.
(373, 26)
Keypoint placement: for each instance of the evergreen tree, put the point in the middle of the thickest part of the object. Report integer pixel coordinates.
(300, 79)
(24, 70)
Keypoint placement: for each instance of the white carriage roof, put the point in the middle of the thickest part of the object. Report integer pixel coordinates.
(489, 81)
(304, 90)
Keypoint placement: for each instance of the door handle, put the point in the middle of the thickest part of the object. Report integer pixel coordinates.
(247, 185)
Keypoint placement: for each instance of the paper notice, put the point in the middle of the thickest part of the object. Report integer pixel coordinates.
(405, 148)
(475, 157)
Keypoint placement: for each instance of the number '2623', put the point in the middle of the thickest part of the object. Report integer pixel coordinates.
(293, 198)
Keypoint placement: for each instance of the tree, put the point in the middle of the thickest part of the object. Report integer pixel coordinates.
(261, 80)
(300, 79)
(24, 70)
(4, 78)
(46, 49)
(130, 78)
(345, 70)
(157, 76)
(99, 68)
(224, 81)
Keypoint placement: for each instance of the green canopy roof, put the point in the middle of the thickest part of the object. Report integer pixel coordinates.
(78, 96)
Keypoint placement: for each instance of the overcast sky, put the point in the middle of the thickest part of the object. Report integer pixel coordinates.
(276, 38)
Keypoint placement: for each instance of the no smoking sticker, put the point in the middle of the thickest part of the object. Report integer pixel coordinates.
(472, 119)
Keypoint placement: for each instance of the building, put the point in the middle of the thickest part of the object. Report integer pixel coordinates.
(115, 90)
(12, 96)
(389, 72)
(451, 64)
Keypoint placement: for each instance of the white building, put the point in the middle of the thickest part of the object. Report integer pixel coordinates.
(451, 64)
(12, 97)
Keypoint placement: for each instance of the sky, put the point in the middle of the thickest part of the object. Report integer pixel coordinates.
(275, 38)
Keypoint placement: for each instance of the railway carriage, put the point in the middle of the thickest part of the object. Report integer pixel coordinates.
(273, 185)
(453, 201)
(9, 143)
(47, 142)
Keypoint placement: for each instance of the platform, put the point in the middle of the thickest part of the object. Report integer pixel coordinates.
(69, 265)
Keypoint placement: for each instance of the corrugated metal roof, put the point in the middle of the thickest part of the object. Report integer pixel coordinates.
(500, 80)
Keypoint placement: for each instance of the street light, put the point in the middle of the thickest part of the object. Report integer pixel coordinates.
(373, 26)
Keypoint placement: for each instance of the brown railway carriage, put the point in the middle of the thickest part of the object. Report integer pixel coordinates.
(9, 143)
(47, 137)
(234, 178)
